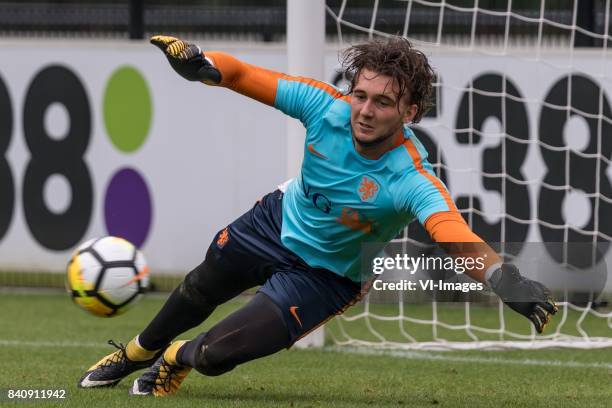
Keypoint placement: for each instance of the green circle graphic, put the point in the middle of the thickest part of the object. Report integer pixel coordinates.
(127, 109)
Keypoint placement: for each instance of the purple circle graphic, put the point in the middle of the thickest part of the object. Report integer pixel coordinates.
(127, 207)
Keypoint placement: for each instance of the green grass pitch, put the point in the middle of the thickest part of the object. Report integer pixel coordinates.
(46, 343)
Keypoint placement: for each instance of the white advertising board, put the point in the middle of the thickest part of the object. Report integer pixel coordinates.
(101, 138)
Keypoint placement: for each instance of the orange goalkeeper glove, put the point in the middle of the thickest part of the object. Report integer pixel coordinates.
(187, 59)
(527, 297)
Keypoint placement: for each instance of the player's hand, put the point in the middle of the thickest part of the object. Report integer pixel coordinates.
(529, 298)
(187, 59)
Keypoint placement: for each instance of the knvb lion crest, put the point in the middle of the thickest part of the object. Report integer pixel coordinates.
(368, 189)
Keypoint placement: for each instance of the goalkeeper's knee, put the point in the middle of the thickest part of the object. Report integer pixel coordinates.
(256, 330)
(193, 290)
(211, 359)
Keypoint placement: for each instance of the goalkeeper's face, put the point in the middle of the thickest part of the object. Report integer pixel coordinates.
(377, 114)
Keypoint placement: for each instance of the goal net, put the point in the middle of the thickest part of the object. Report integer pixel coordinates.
(521, 134)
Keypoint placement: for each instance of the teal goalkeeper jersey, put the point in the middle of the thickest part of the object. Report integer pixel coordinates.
(341, 199)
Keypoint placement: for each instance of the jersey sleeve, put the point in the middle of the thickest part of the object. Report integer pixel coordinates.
(429, 200)
(301, 98)
(449, 226)
(249, 80)
(452, 233)
(422, 193)
(305, 99)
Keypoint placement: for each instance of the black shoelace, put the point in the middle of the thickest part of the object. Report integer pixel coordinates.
(166, 382)
(116, 358)
(157, 380)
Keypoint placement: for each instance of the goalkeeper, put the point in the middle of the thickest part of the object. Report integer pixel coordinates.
(364, 177)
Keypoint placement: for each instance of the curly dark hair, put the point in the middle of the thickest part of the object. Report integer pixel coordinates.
(397, 58)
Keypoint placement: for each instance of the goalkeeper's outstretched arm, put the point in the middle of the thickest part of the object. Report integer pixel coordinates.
(298, 97)
(527, 297)
(218, 68)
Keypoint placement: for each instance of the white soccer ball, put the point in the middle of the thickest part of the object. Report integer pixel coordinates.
(107, 275)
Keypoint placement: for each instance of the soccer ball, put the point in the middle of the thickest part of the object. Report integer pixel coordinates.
(107, 275)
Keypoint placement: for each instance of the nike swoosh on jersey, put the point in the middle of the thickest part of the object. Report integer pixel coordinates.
(312, 150)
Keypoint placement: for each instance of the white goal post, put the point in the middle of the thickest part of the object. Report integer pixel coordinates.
(305, 53)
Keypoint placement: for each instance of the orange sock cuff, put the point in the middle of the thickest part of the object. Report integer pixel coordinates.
(136, 352)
